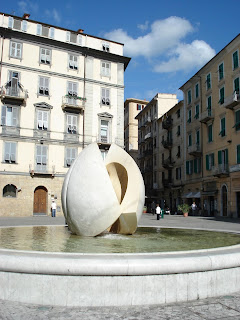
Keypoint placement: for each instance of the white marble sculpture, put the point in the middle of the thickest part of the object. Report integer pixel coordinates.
(100, 195)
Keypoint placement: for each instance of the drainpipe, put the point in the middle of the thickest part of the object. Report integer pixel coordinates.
(84, 95)
(1, 62)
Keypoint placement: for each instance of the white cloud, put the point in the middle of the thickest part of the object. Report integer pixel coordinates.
(144, 26)
(165, 44)
(164, 34)
(187, 57)
(27, 6)
(53, 14)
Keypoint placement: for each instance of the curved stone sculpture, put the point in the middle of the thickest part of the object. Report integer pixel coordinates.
(99, 195)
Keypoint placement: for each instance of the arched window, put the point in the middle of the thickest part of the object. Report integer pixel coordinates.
(10, 191)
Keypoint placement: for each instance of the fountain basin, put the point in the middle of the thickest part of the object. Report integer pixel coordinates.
(80, 279)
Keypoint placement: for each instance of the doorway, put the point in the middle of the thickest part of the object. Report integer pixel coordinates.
(224, 201)
(40, 201)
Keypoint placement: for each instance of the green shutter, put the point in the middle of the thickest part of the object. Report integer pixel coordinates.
(235, 60)
(226, 153)
(207, 162)
(236, 85)
(220, 157)
(212, 159)
(238, 154)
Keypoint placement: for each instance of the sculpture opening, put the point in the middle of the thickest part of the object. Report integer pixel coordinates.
(103, 194)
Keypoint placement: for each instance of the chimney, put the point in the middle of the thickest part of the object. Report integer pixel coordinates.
(26, 15)
(80, 31)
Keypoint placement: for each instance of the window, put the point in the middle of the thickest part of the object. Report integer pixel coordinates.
(72, 62)
(198, 137)
(178, 173)
(104, 131)
(236, 85)
(71, 154)
(17, 24)
(41, 158)
(24, 25)
(210, 133)
(39, 29)
(10, 152)
(9, 116)
(189, 167)
(237, 120)
(42, 119)
(105, 69)
(139, 107)
(16, 49)
(105, 96)
(73, 37)
(45, 31)
(190, 140)
(178, 113)
(222, 132)
(72, 120)
(220, 72)
(221, 95)
(208, 82)
(189, 120)
(196, 90)
(43, 86)
(209, 161)
(9, 191)
(72, 92)
(223, 157)
(105, 46)
(196, 111)
(238, 154)
(13, 86)
(179, 130)
(179, 152)
(197, 165)
(45, 56)
(235, 60)
(209, 105)
(189, 95)
(51, 33)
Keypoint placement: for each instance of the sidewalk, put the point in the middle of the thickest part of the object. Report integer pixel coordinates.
(224, 308)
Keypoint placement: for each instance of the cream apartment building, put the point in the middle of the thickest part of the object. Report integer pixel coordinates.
(60, 91)
(131, 108)
(168, 173)
(212, 102)
(147, 140)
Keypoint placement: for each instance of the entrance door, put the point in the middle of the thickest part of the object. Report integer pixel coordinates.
(40, 200)
(224, 201)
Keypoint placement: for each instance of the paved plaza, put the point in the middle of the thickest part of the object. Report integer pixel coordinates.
(226, 307)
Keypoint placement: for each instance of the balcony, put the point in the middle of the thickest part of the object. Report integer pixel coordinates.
(18, 94)
(147, 121)
(221, 170)
(73, 102)
(206, 116)
(42, 169)
(167, 144)
(167, 183)
(167, 124)
(103, 139)
(168, 163)
(195, 150)
(231, 101)
(148, 136)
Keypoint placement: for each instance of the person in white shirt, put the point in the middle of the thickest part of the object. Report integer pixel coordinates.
(158, 211)
(54, 207)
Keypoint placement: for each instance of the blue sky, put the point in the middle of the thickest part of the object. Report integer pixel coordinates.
(168, 41)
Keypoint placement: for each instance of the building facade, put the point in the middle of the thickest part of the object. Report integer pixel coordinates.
(168, 174)
(212, 134)
(131, 108)
(60, 91)
(147, 140)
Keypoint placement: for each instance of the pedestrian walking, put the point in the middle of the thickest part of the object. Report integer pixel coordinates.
(158, 211)
(53, 207)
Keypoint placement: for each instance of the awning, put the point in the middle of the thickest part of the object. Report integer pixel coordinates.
(197, 195)
(209, 193)
(188, 195)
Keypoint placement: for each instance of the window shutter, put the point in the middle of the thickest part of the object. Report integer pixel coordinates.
(68, 36)
(187, 167)
(74, 123)
(24, 25)
(220, 157)
(207, 162)
(44, 155)
(68, 157)
(79, 39)
(39, 155)
(51, 32)
(236, 85)
(7, 151)
(14, 116)
(75, 91)
(18, 50)
(13, 152)
(226, 155)
(4, 114)
(238, 154)
(39, 29)
(40, 119)
(107, 69)
(45, 119)
(74, 153)
(10, 22)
